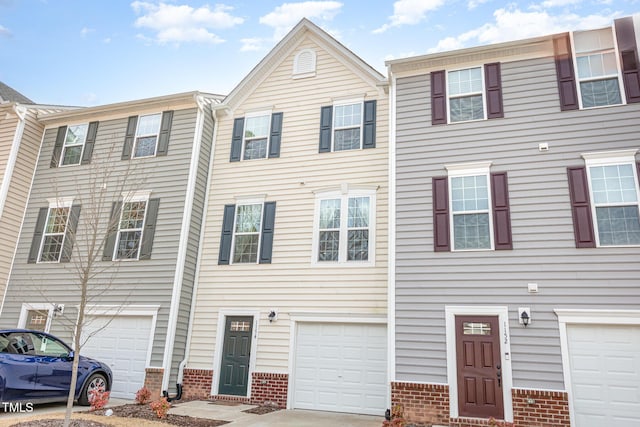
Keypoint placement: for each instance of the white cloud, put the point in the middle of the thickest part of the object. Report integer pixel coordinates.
(84, 31)
(251, 44)
(182, 23)
(4, 31)
(284, 17)
(409, 12)
(558, 3)
(472, 4)
(514, 24)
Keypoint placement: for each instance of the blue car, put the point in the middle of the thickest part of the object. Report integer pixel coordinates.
(36, 367)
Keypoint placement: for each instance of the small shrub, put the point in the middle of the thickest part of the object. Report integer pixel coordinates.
(143, 396)
(397, 418)
(161, 407)
(98, 399)
(497, 423)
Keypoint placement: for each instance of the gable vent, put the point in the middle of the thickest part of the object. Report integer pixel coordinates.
(304, 64)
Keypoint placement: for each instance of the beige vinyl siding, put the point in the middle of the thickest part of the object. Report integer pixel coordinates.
(292, 283)
(543, 242)
(145, 282)
(20, 180)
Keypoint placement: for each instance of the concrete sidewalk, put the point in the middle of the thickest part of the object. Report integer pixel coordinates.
(282, 418)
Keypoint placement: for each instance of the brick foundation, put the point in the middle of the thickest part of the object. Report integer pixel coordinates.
(153, 381)
(196, 383)
(269, 388)
(427, 404)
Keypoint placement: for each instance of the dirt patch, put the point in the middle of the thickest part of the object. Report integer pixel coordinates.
(51, 422)
(261, 410)
(145, 412)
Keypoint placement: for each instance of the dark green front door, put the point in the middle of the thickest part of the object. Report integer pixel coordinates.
(236, 350)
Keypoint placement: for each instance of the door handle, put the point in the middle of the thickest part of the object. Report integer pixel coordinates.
(499, 375)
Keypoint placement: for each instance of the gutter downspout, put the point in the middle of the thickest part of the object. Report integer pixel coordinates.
(391, 267)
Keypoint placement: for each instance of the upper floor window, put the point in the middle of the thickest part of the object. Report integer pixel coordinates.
(467, 94)
(344, 227)
(74, 144)
(130, 229)
(605, 198)
(597, 68)
(348, 125)
(256, 136)
(54, 234)
(465, 90)
(247, 232)
(471, 204)
(147, 135)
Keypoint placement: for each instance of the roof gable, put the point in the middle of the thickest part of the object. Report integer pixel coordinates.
(8, 94)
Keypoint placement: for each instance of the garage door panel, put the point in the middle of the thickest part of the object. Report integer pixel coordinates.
(348, 362)
(605, 374)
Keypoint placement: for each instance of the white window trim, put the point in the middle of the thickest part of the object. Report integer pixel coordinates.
(574, 58)
(262, 113)
(136, 136)
(344, 194)
(481, 93)
(64, 145)
(132, 197)
(505, 353)
(301, 75)
(217, 355)
(586, 317)
(24, 313)
(470, 169)
(60, 202)
(610, 158)
(340, 103)
(243, 201)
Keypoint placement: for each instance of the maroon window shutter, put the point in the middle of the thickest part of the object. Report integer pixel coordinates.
(493, 87)
(501, 213)
(438, 98)
(628, 48)
(581, 207)
(441, 214)
(565, 74)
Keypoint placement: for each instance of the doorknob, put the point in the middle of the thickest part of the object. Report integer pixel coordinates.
(499, 375)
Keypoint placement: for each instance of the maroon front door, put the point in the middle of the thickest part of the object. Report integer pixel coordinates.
(479, 367)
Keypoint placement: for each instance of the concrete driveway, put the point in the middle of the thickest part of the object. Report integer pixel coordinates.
(283, 418)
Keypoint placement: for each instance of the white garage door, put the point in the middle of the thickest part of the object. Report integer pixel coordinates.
(605, 374)
(123, 345)
(341, 368)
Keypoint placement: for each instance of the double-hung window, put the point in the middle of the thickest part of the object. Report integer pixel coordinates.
(256, 136)
(615, 197)
(130, 228)
(465, 91)
(347, 127)
(54, 233)
(147, 132)
(471, 225)
(246, 233)
(596, 62)
(345, 227)
(73, 146)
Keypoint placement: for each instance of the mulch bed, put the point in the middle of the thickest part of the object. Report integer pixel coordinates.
(261, 410)
(59, 422)
(145, 412)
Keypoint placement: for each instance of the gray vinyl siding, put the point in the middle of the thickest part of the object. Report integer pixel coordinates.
(144, 282)
(202, 174)
(543, 242)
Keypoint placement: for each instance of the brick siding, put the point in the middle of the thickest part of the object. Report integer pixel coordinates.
(269, 389)
(427, 404)
(196, 383)
(153, 381)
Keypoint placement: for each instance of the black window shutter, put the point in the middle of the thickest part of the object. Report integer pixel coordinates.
(236, 139)
(438, 97)
(268, 224)
(165, 133)
(37, 235)
(130, 136)
(224, 256)
(493, 87)
(276, 135)
(326, 119)
(70, 235)
(581, 207)
(628, 48)
(57, 148)
(112, 230)
(149, 228)
(440, 189)
(369, 130)
(565, 74)
(501, 212)
(92, 132)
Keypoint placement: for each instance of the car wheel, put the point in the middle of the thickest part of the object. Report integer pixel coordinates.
(95, 382)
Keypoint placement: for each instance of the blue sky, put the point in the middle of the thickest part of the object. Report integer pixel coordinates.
(93, 52)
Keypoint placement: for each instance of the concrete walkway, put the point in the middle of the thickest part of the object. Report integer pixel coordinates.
(282, 418)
